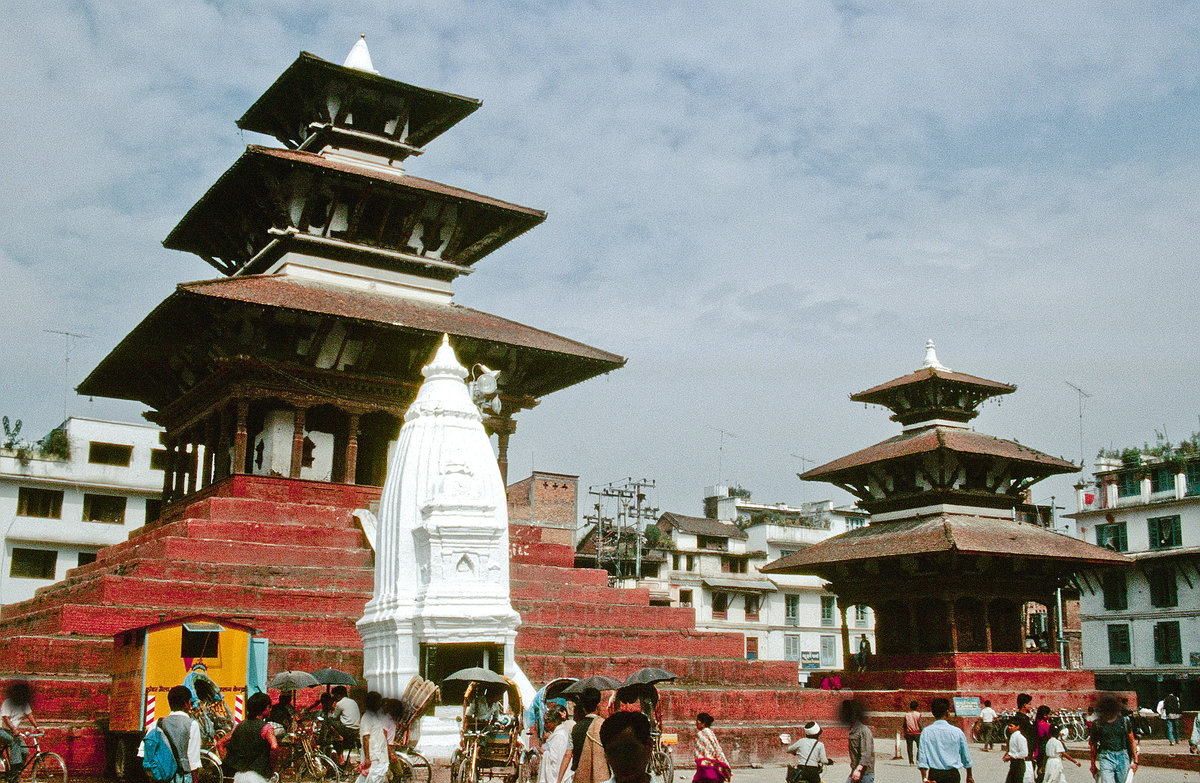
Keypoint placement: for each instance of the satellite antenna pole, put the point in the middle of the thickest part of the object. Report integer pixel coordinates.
(67, 336)
(721, 449)
(802, 461)
(1082, 394)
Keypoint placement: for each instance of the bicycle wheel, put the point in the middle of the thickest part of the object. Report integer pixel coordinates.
(324, 768)
(662, 768)
(49, 768)
(210, 768)
(422, 770)
(456, 766)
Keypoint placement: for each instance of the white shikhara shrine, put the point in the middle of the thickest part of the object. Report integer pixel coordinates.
(441, 550)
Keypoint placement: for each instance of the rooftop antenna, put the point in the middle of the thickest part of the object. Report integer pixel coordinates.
(1082, 395)
(67, 337)
(721, 449)
(802, 461)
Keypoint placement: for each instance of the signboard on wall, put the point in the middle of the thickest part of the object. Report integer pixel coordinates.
(810, 659)
(967, 706)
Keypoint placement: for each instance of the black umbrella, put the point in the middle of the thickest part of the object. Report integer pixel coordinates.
(597, 681)
(476, 674)
(329, 677)
(649, 676)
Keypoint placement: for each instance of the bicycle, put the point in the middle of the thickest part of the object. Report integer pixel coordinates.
(211, 770)
(662, 766)
(44, 766)
(304, 761)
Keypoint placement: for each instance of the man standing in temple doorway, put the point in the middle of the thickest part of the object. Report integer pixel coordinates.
(864, 652)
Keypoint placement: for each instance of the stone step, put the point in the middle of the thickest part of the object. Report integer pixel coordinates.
(574, 614)
(240, 553)
(528, 572)
(735, 672)
(649, 643)
(592, 594)
(36, 656)
(334, 576)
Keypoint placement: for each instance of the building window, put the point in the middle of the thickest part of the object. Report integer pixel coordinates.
(1118, 645)
(41, 503)
(786, 552)
(158, 459)
(1162, 480)
(752, 603)
(1112, 536)
(733, 565)
(718, 543)
(791, 647)
(860, 616)
(1129, 485)
(674, 562)
(791, 611)
(1116, 595)
(856, 522)
(1163, 589)
(828, 602)
(1167, 648)
(1165, 532)
(1191, 476)
(33, 563)
(685, 598)
(828, 652)
(691, 562)
(110, 454)
(85, 558)
(153, 509)
(751, 648)
(720, 604)
(109, 509)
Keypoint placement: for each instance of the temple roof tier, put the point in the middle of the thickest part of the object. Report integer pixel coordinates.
(273, 200)
(203, 326)
(933, 392)
(939, 464)
(967, 534)
(387, 117)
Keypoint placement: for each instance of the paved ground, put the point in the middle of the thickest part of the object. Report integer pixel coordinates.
(987, 766)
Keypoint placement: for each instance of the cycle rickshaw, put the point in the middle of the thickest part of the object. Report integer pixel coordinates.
(490, 732)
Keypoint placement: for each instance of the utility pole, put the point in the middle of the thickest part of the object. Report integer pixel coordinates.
(629, 497)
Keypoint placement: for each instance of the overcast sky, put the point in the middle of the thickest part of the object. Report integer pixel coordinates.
(765, 206)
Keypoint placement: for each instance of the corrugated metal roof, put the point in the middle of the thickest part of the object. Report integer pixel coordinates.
(747, 585)
(964, 533)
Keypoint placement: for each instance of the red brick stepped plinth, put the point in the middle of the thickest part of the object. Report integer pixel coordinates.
(574, 624)
(283, 556)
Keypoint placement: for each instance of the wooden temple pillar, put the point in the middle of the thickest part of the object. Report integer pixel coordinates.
(987, 624)
(951, 605)
(350, 465)
(240, 437)
(222, 456)
(297, 443)
(845, 635)
(210, 450)
(168, 490)
(504, 427)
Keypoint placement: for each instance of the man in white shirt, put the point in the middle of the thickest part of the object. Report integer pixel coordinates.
(184, 734)
(1018, 753)
(987, 716)
(346, 718)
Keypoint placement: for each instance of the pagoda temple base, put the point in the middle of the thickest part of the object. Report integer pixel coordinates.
(287, 557)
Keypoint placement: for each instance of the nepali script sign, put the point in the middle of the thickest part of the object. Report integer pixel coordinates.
(967, 706)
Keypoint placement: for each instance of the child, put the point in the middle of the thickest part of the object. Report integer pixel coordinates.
(1017, 755)
(1056, 751)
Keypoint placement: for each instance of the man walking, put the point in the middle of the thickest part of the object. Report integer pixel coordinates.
(184, 734)
(942, 750)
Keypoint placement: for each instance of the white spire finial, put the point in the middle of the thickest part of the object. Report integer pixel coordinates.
(445, 363)
(931, 359)
(359, 58)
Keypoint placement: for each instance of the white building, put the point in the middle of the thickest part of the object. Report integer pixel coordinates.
(713, 567)
(1141, 625)
(59, 511)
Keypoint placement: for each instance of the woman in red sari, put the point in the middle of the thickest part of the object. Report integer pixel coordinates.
(711, 765)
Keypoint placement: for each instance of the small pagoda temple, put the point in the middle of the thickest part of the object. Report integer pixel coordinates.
(949, 560)
(337, 286)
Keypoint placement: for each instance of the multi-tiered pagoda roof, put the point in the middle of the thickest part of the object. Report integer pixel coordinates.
(338, 285)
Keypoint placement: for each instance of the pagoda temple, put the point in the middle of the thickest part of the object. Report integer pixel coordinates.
(949, 560)
(338, 268)
(282, 385)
